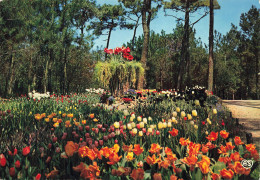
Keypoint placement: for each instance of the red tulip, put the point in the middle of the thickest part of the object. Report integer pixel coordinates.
(12, 171)
(87, 128)
(157, 132)
(54, 139)
(38, 176)
(17, 164)
(26, 151)
(49, 146)
(2, 160)
(116, 141)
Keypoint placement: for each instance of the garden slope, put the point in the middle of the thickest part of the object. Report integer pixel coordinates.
(248, 113)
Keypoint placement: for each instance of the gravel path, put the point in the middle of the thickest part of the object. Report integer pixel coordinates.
(248, 113)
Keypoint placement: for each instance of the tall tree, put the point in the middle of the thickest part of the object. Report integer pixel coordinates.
(250, 34)
(211, 38)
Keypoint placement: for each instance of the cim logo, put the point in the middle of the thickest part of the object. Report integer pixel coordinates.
(247, 163)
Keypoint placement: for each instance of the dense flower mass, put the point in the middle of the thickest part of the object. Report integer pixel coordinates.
(124, 52)
(153, 140)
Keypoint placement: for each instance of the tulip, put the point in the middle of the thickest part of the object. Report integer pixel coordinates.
(133, 115)
(54, 139)
(101, 142)
(209, 122)
(145, 120)
(140, 133)
(17, 164)
(183, 114)
(192, 122)
(129, 126)
(116, 141)
(197, 102)
(124, 127)
(178, 109)
(157, 132)
(138, 126)
(103, 129)
(194, 113)
(87, 128)
(150, 130)
(164, 125)
(160, 125)
(117, 132)
(139, 118)
(141, 124)
(99, 126)
(134, 131)
(131, 118)
(214, 111)
(133, 124)
(206, 132)
(169, 124)
(144, 130)
(149, 118)
(174, 114)
(57, 149)
(116, 124)
(195, 126)
(113, 135)
(12, 171)
(189, 116)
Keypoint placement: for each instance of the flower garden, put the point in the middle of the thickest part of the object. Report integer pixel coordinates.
(163, 136)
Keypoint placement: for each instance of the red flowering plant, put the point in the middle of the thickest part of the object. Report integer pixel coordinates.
(123, 52)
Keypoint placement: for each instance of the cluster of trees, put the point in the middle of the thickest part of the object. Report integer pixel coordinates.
(46, 46)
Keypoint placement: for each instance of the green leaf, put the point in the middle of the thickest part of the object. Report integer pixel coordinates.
(218, 166)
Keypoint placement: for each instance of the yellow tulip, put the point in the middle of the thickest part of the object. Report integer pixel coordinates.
(141, 124)
(116, 124)
(183, 114)
(134, 131)
(194, 113)
(139, 118)
(195, 126)
(145, 120)
(189, 116)
(150, 130)
(160, 125)
(129, 126)
(215, 111)
(178, 109)
(140, 133)
(174, 114)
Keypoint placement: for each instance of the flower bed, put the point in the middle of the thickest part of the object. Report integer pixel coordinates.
(67, 138)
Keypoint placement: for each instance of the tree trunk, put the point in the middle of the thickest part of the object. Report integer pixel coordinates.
(256, 73)
(184, 47)
(65, 72)
(136, 26)
(146, 30)
(10, 81)
(211, 37)
(30, 76)
(45, 80)
(108, 38)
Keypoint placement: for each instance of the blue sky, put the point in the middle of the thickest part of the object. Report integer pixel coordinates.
(229, 12)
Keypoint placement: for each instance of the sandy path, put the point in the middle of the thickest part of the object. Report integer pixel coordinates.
(248, 113)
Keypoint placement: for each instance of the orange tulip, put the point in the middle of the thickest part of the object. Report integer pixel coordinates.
(157, 176)
(173, 177)
(80, 167)
(204, 167)
(223, 150)
(238, 141)
(184, 142)
(137, 149)
(52, 174)
(213, 136)
(171, 158)
(91, 172)
(250, 147)
(137, 174)
(229, 146)
(235, 157)
(193, 148)
(174, 132)
(71, 148)
(70, 115)
(190, 160)
(204, 149)
(165, 164)
(152, 160)
(227, 174)
(215, 176)
(127, 148)
(224, 134)
(91, 116)
(155, 148)
(238, 168)
(113, 158)
(167, 150)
